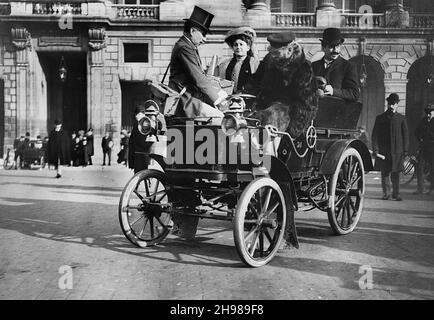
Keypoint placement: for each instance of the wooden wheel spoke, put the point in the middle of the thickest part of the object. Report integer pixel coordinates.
(267, 235)
(151, 226)
(261, 243)
(354, 172)
(350, 165)
(340, 200)
(156, 190)
(267, 201)
(344, 207)
(266, 214)
(137, 220)
(162, 197)
(254, 244)
(144, 226)
(252, 208)
(251, 232)
(160, 222)
(353, 207)
(138, 194)
(145, 182)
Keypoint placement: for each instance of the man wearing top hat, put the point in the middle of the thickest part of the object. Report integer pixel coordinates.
(390, 145)
(341, 75)
(425, 135)
(202, 96)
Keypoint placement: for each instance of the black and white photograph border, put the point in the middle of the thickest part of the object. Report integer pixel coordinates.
(89, 67)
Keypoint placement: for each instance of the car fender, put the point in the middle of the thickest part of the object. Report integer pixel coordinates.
(331, 158)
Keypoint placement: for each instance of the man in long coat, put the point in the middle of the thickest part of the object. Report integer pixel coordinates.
(341, 75)
(203, 97)
(390, 141)
(59, 148)
(425, 135)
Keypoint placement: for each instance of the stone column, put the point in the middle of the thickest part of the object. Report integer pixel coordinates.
(21, 41)
(327, 15)
(258, 14)
(95, 94)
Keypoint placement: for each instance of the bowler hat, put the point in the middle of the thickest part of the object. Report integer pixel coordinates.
(332, 36)
(201, 18)
(57, 122)
(429, 108)
(232, 35)
(139, 108)
(393, 98)
(281, 39)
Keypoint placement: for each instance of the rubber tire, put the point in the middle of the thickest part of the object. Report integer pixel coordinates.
(332, 188)
(242, 205)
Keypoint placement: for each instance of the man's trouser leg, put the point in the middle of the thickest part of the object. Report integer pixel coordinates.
(395, 183)
(420, 168)
(109, 156)
(385, 183)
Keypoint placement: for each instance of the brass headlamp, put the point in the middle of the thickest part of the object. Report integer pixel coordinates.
(234, 119)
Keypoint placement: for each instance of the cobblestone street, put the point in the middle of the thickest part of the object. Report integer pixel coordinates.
(47, 223)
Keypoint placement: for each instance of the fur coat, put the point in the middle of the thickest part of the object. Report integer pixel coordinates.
(286, 92)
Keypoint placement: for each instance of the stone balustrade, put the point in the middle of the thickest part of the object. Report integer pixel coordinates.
(294, 19)
(422, 20)
(57, 8)
(141, 12)
(358, 20)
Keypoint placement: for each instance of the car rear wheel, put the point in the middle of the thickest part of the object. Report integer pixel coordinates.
(346, 192)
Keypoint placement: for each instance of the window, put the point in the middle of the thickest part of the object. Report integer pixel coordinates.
(136, 52)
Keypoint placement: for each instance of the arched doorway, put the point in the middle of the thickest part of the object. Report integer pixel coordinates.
(418, 96)
(372, 94)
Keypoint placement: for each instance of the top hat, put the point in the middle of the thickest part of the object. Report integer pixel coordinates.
(201, 18)
(281, 39)
(332, 36)
(429, 108)
(393, 98)
(232, 35)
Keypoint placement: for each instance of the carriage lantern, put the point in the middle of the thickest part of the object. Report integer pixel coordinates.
(149, 125)
(233, 119)
(62, 70)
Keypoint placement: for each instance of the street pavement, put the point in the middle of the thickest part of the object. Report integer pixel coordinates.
(52, 228)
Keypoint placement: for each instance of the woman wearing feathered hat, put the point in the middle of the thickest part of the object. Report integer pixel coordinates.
(240, 67)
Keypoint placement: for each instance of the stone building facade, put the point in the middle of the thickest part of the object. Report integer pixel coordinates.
(109, 48)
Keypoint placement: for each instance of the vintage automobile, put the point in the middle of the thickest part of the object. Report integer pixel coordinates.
(249, 174)
(32, 155)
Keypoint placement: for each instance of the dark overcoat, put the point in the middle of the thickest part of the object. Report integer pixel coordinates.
(59, 148)
(90, 145)
(186, 72)
(286, 95)
(390, 138)
(342, 75)
(425, 135)
(138, 150)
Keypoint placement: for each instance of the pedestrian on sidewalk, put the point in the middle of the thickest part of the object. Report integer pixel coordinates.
(123, 153)
(90, 146)
(425, 135)
(58, 148)
(107, 145)
(390, 145)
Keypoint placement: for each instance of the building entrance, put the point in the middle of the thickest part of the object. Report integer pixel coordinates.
(66, 100)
